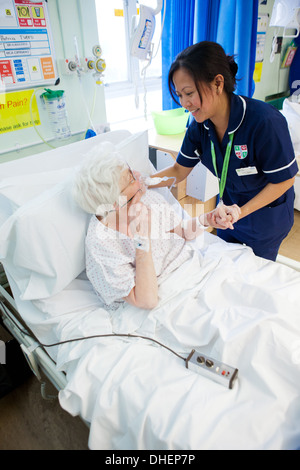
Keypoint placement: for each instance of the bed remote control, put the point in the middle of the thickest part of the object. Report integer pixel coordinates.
(212, 369)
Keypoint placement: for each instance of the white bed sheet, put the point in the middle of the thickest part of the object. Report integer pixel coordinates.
(235, 307)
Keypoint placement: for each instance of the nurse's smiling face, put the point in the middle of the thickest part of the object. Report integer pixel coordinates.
(187, 92)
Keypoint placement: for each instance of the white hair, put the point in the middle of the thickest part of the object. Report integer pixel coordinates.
(96, 187)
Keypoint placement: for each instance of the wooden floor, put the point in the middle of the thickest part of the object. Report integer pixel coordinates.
(28, 422)
(291, 245)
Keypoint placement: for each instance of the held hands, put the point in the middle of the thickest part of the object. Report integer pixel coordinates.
(223, 217)
(139, 222)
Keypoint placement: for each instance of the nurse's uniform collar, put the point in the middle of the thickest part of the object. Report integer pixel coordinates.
(237, 114)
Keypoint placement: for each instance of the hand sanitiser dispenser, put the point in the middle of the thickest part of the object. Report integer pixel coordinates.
(286, 14)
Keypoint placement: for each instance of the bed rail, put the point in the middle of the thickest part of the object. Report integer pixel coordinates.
(288, 262)
(37, 358)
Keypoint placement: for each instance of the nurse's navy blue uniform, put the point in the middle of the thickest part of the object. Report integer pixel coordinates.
(262, 153)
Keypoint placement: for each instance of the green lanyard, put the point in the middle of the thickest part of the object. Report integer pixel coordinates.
(222, 181)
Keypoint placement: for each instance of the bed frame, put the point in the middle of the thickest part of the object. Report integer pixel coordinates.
(38, 359)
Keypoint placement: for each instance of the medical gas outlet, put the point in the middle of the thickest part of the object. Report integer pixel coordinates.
(97, 51)
(68, 66)
(98, 65)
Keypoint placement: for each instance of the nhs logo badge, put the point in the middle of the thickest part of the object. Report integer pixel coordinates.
(2, 353)
(241, 151)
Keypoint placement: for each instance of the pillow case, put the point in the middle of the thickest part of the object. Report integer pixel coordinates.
(20, 189)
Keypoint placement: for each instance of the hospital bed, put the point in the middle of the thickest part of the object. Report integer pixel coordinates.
(125, 373)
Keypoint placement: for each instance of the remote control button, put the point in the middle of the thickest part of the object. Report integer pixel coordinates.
(209, 363)
(201, 359)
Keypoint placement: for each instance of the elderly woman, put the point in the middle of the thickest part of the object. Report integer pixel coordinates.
(134, 238)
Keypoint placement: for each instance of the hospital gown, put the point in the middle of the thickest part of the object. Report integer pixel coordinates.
(110, 255)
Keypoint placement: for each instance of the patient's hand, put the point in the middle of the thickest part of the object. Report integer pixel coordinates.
(139, 221)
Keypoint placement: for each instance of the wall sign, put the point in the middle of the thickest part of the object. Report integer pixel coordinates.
(16, 113)
(27, 56)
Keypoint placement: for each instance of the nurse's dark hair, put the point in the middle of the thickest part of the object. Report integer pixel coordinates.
(204, 61)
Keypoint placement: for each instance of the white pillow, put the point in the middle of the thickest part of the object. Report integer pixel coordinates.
(66, 156)
(20, 189)
(42, 244)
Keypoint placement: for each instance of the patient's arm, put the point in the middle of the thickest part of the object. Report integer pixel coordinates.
(222, 217)
(145, 292)
(192, 228)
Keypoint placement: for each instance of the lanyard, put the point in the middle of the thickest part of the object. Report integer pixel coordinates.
(222, 181)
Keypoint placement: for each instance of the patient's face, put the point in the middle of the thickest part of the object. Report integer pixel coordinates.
(132, 185)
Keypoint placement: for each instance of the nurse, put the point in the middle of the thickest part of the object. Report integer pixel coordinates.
(245, 142)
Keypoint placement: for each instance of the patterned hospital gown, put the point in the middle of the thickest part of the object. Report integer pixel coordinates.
(110, 255)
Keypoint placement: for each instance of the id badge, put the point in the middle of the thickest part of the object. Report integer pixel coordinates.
(250, 170)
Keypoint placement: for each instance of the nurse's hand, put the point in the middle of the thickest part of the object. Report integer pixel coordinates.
(223, 217)
(234, 211)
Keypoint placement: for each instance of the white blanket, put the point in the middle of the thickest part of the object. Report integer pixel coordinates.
(224, 302)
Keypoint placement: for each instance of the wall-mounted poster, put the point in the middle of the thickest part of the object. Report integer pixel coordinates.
(27, 57)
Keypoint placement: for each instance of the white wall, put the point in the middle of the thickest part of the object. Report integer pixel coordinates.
(68, 18)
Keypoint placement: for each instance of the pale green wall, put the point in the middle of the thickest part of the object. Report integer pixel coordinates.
(78, 18)
(273, 80)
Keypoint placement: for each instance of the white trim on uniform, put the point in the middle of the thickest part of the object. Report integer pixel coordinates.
(191, 158)
(280, 169)
(244, 106)
(244, 112)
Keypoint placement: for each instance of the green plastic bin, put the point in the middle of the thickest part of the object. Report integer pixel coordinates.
(170, 122)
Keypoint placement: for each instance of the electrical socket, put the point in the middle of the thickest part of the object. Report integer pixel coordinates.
(278, 48)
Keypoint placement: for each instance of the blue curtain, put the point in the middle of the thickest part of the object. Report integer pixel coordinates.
(231, 23)
(178, 33)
